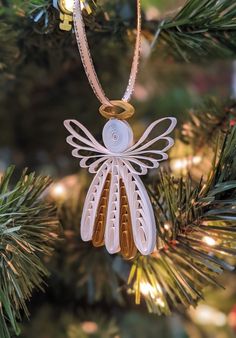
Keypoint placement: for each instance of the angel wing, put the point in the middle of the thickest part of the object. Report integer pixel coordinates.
(95, 206)
(118, 212)
(141, 211)
(86, 143)
(141, 156)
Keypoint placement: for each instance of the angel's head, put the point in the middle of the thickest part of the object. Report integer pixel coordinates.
(117, 136)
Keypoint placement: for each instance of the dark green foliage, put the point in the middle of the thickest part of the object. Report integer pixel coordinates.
(203, 29)
(187, 214)
(207, 121)
(36, 59)
(28, 229)
(125, 323)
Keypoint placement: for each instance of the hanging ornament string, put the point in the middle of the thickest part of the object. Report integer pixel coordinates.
(87, 61)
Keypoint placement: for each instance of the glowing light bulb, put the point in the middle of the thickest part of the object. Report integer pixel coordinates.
(206, 315)
(160, 302)
(197, 159)
(58, 190)
(154, 292)
(167, 226)
(146, 289)
(180, 164)
(185, 162)
(209, 241)
(89, 327)
(68, 5)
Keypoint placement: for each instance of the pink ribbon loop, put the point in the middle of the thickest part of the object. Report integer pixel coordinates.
(88, 62)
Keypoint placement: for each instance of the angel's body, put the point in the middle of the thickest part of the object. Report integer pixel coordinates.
(117, 209)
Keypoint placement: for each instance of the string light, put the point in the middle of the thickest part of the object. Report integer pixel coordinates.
(185, 162)
(154, 292)
(66, 10)
(89, 327)
(160, 302)
(58, 191)
(206, 315)
(167, 226)
(209, 241)
(68, 5)
(196, 160)
(68, 187)
(147, 289)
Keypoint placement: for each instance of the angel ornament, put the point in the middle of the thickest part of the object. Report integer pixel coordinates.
(117, 211)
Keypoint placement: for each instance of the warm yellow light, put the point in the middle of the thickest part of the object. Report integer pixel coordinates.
(58, 190)
(160, 302)
(147, 289)
(197, 159)
(69, 4)
(184, 163)
(167, 226)
(206, 315)
(154, 292)
(89, 327)
(209, 241)
(180, 164)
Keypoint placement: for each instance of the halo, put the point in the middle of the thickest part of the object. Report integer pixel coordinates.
(120, 110)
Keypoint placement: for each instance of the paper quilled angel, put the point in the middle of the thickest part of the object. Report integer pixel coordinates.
(117, 211)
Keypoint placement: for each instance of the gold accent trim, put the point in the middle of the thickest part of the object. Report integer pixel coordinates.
(127, 245)
(110, 112)
(100, 221)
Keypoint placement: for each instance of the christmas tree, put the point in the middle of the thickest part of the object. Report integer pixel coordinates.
(52, 284)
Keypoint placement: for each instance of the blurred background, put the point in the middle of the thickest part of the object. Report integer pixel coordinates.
(42, 84)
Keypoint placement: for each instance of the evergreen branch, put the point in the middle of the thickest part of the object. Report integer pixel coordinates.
(205, 122)
(196, 233)
(28, 228)
(202, 29)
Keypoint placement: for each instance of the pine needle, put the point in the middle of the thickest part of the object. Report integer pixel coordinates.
(28, 228)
